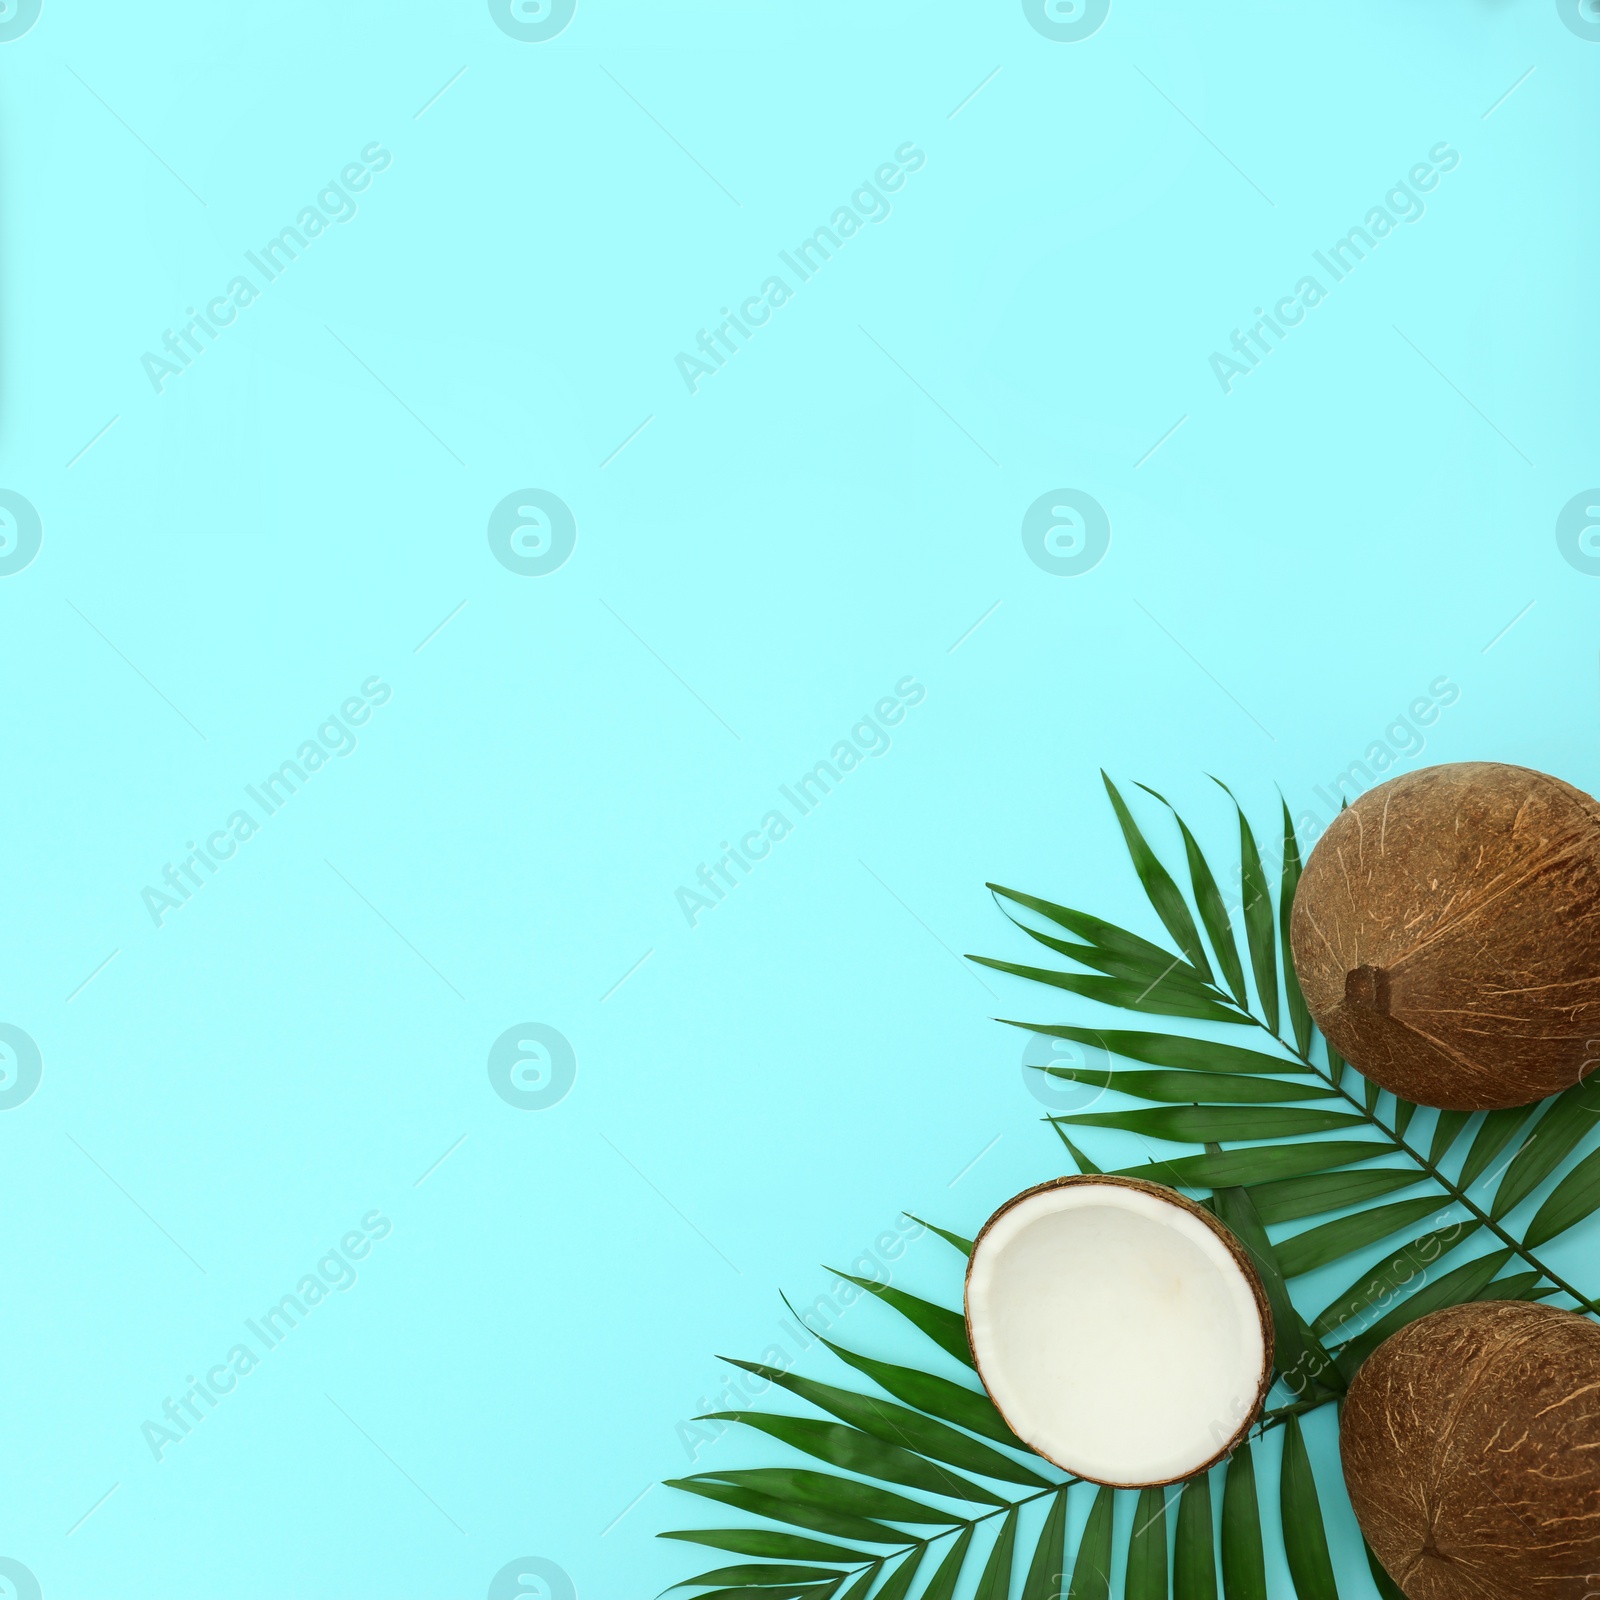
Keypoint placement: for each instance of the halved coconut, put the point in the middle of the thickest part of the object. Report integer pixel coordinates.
(1121, 1329)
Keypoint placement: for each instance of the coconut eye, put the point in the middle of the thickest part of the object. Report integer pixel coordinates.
(1120, 1329)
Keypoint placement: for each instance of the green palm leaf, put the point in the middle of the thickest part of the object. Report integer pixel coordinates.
(1107, 935)
(947, 1329)
(1305, 1539)
(961, 1244)
(1194, 1561)
(1185, 1088)
(762, 1575)
(1336, 1064)
(1084, 1164)
(900, 1425)
(1404, 1111)
(1169, 970)
(1293, 1198)
(807, 1486)
(800, 1514)
(1494, 1133)
(1464, 1283)
(1519, 1286)
(1260, 1163)
(1244, 1561)
(1316, 1247)
(1445, 1133)
(1163, 894)
(1388, 1589)
(1571, 1117)
(995, 1584)
(855, 1451)
(1162, 998)
(862, 1587)
(807, 1489)
(903, 1576)
(1407, 1263)
(1289, 881)
(759, 1542)
(1258, 917)
(787, 1592)
(1048, 1569)
(1091, 1573)
(1146, 1577)
(948, 1573)
(1298, 1355)
(1213, 910)
(1577, 1196)
(1167, 1049)
(939, 1397)
(1202, 1124)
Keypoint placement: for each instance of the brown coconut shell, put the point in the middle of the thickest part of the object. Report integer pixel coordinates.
(1237, 1250)
(1471, 1449)
(1446, 933)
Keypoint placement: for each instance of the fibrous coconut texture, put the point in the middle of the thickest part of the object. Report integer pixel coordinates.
(1120, 1328)
(1447, 935)
(1471, 1446)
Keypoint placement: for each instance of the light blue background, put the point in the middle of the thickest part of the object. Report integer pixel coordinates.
(831, 512)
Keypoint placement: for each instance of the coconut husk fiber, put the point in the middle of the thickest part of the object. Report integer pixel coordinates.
(1471, 1449)
(1446, 933)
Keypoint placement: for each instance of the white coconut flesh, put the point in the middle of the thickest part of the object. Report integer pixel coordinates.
(1116, 1331)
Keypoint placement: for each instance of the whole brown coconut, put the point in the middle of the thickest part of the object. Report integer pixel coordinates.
(1471, 1447)
(1447, 935)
